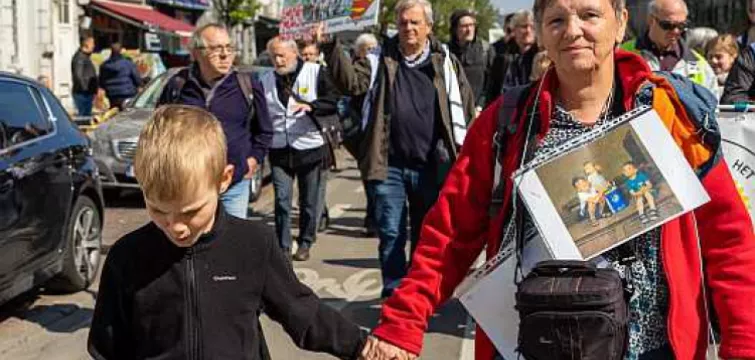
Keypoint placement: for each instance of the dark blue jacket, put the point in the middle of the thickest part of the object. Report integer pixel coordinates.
(226, 101)
(119, 77)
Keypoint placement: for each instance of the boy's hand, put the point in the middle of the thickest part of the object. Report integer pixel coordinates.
(375, 349)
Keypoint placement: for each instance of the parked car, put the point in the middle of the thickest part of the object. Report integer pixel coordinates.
(115, 140)
(51, 205)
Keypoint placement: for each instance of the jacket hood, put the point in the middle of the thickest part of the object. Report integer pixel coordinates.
(632, 71)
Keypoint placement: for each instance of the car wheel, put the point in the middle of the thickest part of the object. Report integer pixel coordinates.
(255, 185)
(81, 258)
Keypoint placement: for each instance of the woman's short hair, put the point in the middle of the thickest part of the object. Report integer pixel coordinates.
(404, 5)
(698, 38)
(180, 149)
(725, 42)
(538, 8)
(364, 40)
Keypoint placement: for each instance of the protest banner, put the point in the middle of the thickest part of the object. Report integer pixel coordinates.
(738, 144)
(298, 16)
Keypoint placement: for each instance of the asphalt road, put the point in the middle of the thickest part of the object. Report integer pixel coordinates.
(343, 271)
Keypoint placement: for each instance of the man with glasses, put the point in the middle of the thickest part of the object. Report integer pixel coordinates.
(235, 98)
(663, 44)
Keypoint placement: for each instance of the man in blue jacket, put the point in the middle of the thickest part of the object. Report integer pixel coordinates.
(119, 77)
(236, 100)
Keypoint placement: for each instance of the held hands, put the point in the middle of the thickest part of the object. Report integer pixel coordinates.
(375, 349)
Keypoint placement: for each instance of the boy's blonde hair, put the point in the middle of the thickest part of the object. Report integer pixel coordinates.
(180, 149)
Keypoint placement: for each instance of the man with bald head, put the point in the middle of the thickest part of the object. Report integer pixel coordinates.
(297, 92)
(663, 44)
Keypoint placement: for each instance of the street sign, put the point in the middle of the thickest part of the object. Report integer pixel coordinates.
(152, 42)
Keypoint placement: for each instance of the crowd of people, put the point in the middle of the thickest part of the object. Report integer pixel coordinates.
(423, 125)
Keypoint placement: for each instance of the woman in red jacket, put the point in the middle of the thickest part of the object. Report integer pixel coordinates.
(589, 82)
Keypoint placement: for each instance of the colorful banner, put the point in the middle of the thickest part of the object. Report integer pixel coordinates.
(738, 132)
(298, 16)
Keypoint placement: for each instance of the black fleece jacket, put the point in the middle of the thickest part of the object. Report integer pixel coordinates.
(157, 300)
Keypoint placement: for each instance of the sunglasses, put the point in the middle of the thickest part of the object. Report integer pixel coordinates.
(670, 25)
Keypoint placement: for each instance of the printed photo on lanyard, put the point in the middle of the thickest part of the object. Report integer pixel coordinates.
(609, 186)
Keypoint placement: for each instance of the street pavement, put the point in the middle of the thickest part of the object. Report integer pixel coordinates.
(343, 271)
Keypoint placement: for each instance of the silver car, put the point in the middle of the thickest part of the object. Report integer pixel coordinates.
(114, 141)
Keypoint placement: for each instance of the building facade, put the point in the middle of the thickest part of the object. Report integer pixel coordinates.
(39, 38)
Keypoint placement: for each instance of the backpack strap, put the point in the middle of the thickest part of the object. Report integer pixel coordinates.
(176, 84)
(506, 125)
(245, 83)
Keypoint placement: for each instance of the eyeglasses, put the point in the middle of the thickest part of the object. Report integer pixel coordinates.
(670, 25)
(218, 49)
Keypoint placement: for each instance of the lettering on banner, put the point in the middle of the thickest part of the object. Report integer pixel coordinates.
(362, 284)
(743, 169)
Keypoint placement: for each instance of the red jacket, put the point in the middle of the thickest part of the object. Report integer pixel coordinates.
(458, 227)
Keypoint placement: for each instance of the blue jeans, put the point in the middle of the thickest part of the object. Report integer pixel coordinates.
(236, 199)
(309, 181)
(402, 184)
(84, 103)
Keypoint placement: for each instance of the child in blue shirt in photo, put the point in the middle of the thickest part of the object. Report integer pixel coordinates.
(640, 188)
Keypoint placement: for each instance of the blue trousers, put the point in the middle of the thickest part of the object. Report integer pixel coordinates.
(404, 193)
(310, 179)
(84, 103)
(235, 200)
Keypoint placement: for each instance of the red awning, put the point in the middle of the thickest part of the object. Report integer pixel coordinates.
(144, 15)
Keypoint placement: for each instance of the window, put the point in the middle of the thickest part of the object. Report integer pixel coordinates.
(149, 97)
(21, 116)
(64, 11)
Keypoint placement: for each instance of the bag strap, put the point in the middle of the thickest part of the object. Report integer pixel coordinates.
(704, 285)
(506, 126)
(245, 83)
(177, 84)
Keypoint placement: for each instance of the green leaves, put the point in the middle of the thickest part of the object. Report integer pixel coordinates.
(234, 12)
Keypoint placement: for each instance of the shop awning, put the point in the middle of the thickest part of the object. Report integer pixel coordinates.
(143, 16)
(186, 4)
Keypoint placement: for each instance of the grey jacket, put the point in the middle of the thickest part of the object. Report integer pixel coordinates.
(373, 150)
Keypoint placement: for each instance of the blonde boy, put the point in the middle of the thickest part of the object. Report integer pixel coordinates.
(190, 284)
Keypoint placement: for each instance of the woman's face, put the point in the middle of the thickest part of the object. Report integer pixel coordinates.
(721, 61)
(580, 35)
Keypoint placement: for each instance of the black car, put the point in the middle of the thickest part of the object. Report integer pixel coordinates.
(51, 206)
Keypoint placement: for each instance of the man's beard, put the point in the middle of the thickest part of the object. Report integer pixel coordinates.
(286, 70)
